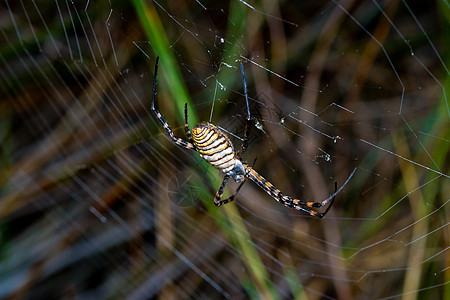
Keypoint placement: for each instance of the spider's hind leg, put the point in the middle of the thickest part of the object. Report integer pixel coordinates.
(319, 214)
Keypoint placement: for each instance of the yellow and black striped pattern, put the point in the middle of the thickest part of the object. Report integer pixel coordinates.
(283, 199)
(176, 140)
(214, 146)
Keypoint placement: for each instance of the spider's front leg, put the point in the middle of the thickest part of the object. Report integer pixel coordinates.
(165, 125)
(248, 120)
(186, 126)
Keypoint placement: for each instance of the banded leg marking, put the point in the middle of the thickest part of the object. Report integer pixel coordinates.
(287, 201)
(176, 140)
(219, 194)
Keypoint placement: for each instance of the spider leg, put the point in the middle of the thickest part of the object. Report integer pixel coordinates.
(320, 215)
(287, 201)
(248, 120)
(176, 140)
(219, 194)
(304, 206)
(186, 126)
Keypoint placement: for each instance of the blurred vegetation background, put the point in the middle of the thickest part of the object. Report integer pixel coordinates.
(97, 203)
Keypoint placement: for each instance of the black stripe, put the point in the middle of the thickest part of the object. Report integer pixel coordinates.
(221, 150)
(224, 141)
(202, 138)
(288, 202)
(222, 187)
(232, 157)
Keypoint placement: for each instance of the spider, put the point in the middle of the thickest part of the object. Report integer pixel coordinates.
(215, 147)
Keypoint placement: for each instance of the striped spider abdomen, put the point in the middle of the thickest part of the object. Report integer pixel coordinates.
(214, 146)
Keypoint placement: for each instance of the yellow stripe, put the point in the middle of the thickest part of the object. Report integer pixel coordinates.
(200, 134)
(211, 139)
(206, 140)
(220, 140)
(213, 150)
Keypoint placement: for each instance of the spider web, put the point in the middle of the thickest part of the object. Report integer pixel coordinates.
(96, 202)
